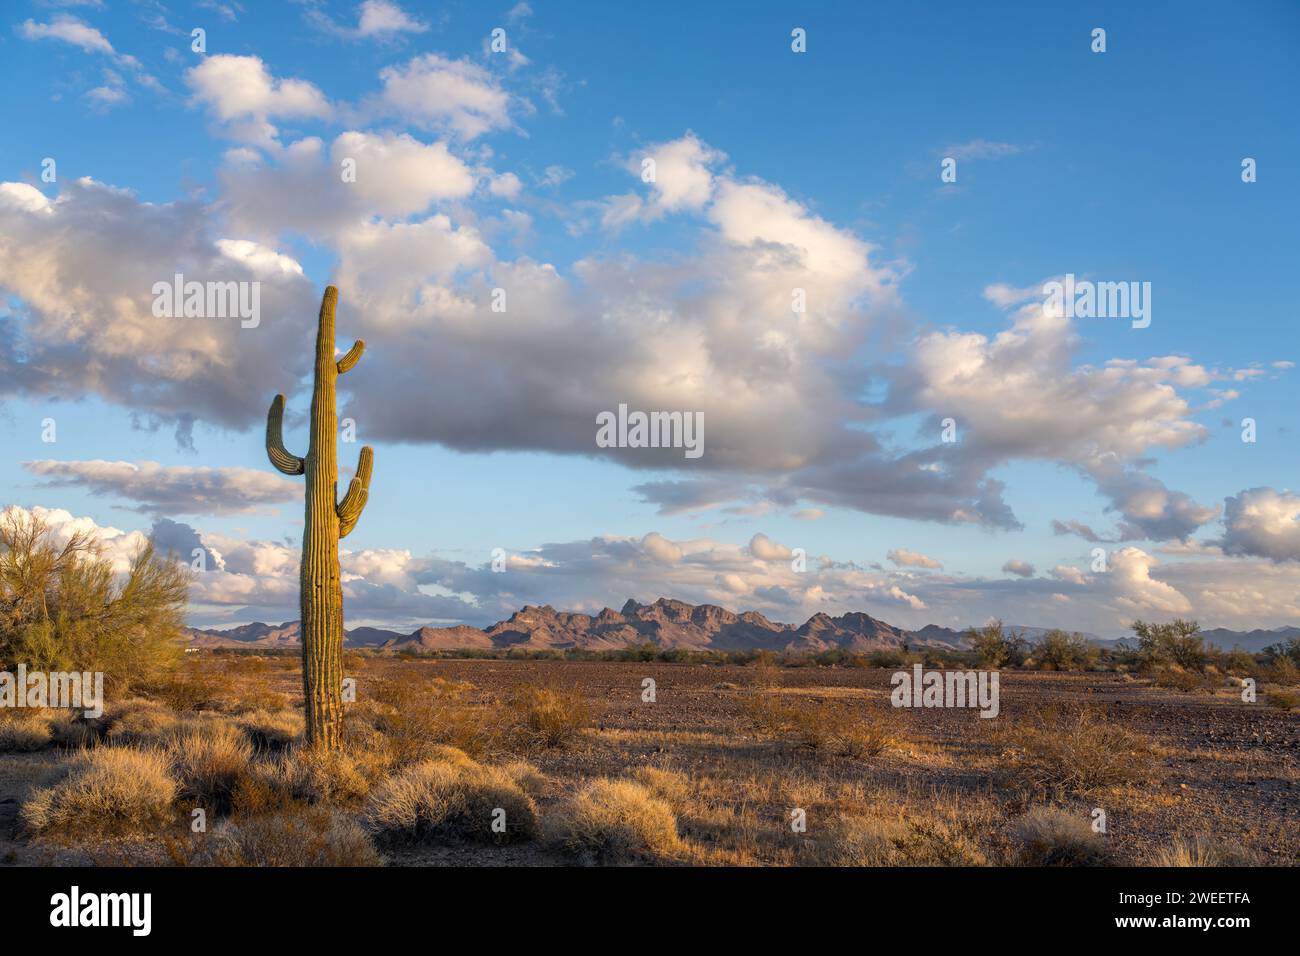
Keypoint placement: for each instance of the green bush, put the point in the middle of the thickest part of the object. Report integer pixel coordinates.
(63, 609)
(994, 648)
(1178, 642)
(1059, 651)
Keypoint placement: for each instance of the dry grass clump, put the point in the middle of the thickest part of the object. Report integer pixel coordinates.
(670, 786)
(210, 757)
(614, 821)
(107, 790)
(272, 730)
(449, 797)
(25, 731)
(73, 730)
(141, 722)
(1201, 850)
(549, 716)
(530, 779)
(299, 836)
(1047, 836)
(1055, 752)
(339, 777)
(854, 840)
(871, 840)
(826, 728)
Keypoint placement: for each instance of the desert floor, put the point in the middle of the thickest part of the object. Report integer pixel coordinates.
(1180, 777)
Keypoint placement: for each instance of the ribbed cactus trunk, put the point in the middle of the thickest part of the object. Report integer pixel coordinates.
(320, 592)
(327, 520)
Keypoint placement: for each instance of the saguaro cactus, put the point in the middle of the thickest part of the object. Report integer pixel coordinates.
(328, 520)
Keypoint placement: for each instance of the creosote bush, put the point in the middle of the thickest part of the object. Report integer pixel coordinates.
(995, 648)
(1059, 651)
(1177, 642)
(1071, 750)
(549, 716)
(826, 729)
(413, 715)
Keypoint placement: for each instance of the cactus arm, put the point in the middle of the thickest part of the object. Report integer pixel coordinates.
(283, 460)
(353, 356)
(350, 508)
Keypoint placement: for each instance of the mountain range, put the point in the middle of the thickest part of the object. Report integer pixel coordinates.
(668, 624)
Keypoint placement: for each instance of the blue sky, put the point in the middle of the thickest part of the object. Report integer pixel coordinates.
(776, 170)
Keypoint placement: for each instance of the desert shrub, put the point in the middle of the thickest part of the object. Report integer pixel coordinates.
(1176, 678)
(1199, 850)
(63, 609)
(549, 716)
(614, 821)
(1237, 661)
(441, 798)
(1282, 699)
(1047, 836)
(271, 730)
(765, 672)
(25, 730)
(935, 841)
(858, 734)
(106, 790)
(891, 657)
(141, 721)
(415, 715)
(1178, 642)
(1289, 648)
(995, 648)
(191, 686)
(645, 651)
(1059, 651)
(858, 840)
(1058, 751)
(767, 712)
(826, 728)
(210, 758)
(299, 836)
(1282, 670)
(259, 696)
